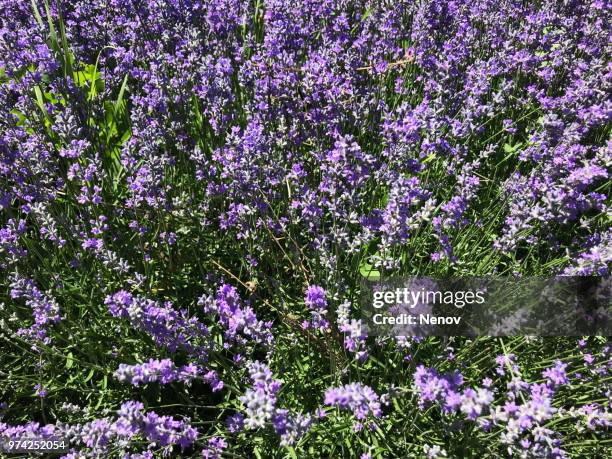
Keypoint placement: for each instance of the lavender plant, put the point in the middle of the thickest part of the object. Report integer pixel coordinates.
(192, 192)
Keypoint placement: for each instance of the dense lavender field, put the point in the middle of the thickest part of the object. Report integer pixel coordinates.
(192, 191)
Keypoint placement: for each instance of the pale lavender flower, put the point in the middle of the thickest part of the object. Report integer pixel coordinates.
(356, 397)
(163, 371)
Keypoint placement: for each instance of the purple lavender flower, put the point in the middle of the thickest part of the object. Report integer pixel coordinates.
(44, 308)
(356, 397)
(215, 448)
(475, 402)
(168, 327)
(40, 391)
(504, 362)
(433, 387)
(260, 406)
(315, 301)
(260, 401)
(162, 371)
(290, 427)
(235, 318)
(104, 434)
(354, 333)
(556, 375)
(235, 423)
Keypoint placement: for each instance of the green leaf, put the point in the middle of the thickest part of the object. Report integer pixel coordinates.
(69, 360)
(119, 101)
(430, 157)
(91, 77)
(37, 15)
(40, 101)
(89, 375)
(97, 84)
(52, 33)
(100, 400)
(20, 117)
(512, 148)
(368, 271)
(104, 382)
(68, 58)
